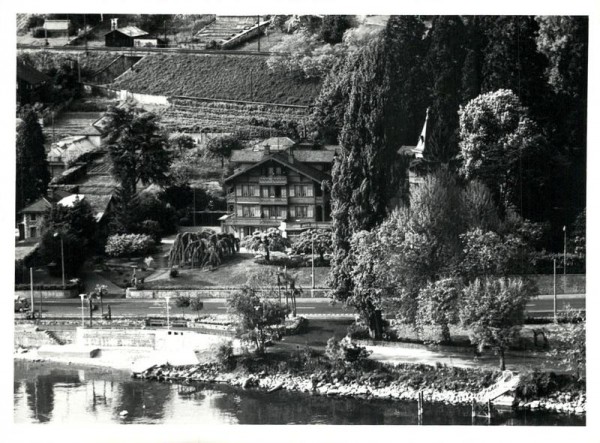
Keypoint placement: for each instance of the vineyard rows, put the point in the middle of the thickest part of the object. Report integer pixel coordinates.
(223, 116)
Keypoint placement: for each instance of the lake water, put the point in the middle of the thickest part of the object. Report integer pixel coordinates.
(52, 393)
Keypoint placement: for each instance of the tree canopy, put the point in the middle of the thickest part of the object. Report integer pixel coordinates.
(137, 147)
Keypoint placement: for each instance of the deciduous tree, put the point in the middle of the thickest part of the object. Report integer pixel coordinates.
(493, 312)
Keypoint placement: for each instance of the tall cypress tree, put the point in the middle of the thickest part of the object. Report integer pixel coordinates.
(32, 167)
(512, 61)
(386, 103)
(445, 59)
(475, 41)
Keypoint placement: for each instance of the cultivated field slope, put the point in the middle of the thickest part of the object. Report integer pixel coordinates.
(229, 77)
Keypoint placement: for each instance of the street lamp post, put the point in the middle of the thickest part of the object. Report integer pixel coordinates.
(312, 291)
(167, 299)
(62, 257)
(565, 260)
(82, 296)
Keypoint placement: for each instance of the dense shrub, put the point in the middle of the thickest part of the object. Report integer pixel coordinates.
(121, 245)
(272, 239)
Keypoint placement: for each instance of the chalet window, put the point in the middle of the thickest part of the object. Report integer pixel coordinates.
(309, 190)
(238, 190)
(255, 211)
(301, 211)
(240, 211)
(32, 217)
(283, 213)
(256, 191)
(265, 191)
(284, 192)
(309, 212)
(292, 211)
(292, 191)
(266, 212)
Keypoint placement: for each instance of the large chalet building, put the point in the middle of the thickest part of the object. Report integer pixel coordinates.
(278, 184)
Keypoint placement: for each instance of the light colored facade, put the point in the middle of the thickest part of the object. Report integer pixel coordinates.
(277, 190)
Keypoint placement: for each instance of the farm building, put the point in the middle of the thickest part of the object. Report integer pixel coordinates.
(56, 28)
(30, 84)
(279, 188)
(124, 37)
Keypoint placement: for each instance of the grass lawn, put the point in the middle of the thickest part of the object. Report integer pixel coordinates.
(234, 272)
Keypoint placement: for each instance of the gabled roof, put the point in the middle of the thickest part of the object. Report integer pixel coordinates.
(283, 159)
(39, 206)
(70, 149)
(130, 31)
(29, 74)
(302, 155)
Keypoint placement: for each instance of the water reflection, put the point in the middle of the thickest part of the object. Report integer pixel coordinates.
(67, 395)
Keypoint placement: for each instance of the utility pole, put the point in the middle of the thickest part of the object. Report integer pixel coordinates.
(84, 39)
(258, 29)
(555, 318)
(312, 291)
(31, 285)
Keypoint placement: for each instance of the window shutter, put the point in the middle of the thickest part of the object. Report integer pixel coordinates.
(309, 212)
(238, 190)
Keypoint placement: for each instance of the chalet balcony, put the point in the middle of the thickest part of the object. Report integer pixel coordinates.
(273, 180)
(257, 200)
(253, 221)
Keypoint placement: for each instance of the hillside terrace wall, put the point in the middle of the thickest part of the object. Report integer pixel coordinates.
(245, 36)
(29, 336)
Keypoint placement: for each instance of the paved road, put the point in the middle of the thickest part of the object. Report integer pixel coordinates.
(318, 307)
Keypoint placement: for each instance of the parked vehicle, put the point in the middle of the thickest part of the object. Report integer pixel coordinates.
(21, 304)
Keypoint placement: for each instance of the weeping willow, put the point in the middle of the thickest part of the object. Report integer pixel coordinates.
(202, 249)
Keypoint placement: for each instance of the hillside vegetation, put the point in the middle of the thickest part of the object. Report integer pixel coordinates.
(229, 77)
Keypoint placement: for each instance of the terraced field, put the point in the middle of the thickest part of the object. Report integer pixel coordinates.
(195, 116)
(219, 76)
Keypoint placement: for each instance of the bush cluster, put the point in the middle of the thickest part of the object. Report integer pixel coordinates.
(121, 245)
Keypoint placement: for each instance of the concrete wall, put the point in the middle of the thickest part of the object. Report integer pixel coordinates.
(116, 337)
(572, 284)
(203, 293)
(143, 99)
(45, 294)
(246, 35)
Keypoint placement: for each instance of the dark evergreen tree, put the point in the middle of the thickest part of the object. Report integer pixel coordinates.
(32, 167)
(445, 59)
(475, 41)
(512, 61)
(334, 26)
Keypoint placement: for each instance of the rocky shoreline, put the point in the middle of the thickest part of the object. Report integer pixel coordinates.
(320, 383)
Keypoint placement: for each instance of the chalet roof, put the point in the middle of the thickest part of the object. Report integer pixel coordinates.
(56, 25)
(324, 155)
(131, 31)
(275, 143)
(39, 206)
(29, 74)
(70, 149)
(283, 159)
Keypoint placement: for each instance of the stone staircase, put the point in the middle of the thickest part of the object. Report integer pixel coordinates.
(52, 336)
(507, 383)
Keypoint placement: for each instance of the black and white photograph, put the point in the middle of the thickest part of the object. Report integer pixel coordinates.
(301, 218)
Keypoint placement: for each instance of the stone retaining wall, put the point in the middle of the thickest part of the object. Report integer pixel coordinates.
(202, 293)
(29, 336)
(116, 338)
(47, 293)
